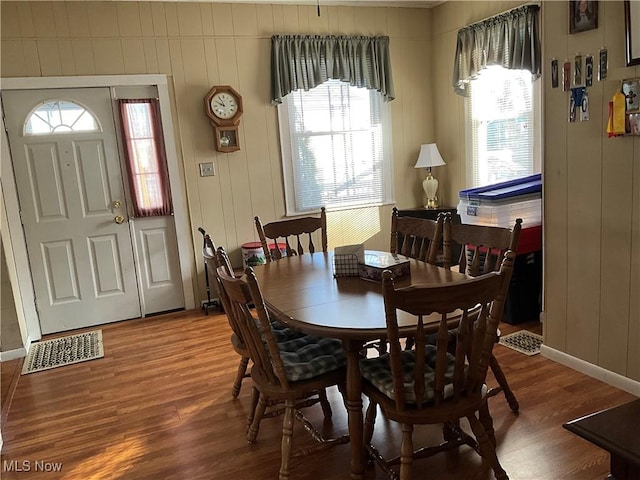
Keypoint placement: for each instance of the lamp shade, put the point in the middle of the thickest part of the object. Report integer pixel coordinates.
(429, 157)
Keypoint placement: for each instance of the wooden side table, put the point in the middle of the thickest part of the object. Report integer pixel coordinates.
(430, 213)
(616, 431)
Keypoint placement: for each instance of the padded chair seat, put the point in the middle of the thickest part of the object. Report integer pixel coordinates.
(378, 372)
(284, 334)
(312, 357)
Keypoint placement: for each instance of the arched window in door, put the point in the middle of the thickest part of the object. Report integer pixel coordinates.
(60, 116)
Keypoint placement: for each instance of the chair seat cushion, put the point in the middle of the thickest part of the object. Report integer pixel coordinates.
(283, 333)
(378, 372)
(312, 357)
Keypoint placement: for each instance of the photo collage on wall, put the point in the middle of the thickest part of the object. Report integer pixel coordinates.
(577, 75)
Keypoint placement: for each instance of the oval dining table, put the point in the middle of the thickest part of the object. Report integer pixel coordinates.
(301, 292)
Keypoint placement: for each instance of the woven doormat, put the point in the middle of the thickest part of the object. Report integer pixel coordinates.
(63, 351)
(523, 341)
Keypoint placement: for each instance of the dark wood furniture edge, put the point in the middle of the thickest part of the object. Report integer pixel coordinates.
(578, 427)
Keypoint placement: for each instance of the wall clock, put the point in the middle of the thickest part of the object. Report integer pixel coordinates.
(224, 107)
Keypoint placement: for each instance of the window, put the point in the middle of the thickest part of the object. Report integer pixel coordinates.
(60, 116)
(504, 126)
(336, 148)
(145, 157)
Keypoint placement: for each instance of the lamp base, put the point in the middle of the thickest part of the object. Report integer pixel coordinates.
(430, 186)
(432, 203)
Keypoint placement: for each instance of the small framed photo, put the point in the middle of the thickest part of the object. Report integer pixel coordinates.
(632, 126)
(583, 15)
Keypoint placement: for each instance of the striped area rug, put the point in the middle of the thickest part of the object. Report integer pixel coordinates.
(63, 351)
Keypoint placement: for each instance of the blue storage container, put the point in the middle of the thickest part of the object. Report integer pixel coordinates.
(501, 203)
(504, 191)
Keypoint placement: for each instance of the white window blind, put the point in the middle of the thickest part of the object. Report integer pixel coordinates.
(502, 123)
(335, 148)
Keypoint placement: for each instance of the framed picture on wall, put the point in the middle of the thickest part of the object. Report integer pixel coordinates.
(632, 30)
(583, 15)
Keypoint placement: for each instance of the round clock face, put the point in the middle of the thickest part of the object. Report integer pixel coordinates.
(224, 105)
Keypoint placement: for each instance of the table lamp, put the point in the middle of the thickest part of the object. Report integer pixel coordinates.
(430, 157)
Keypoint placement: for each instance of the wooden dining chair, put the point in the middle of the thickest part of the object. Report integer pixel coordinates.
(482, 249)
(292, 233)
(428, 384)
(419, 238)
(213, 261)
(283, 375)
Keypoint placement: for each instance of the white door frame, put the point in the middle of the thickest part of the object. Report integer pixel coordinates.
(178, 196)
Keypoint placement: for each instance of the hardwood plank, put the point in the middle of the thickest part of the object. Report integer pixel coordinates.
(159, 406)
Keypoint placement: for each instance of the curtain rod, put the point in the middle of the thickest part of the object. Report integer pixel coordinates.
(537, 4)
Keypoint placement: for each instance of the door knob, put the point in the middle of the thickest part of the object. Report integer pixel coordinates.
(117, 204)
(119, 219)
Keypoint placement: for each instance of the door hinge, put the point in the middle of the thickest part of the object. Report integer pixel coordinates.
(21, 220)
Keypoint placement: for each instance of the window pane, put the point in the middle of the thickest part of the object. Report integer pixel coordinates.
(502, 126)
(334, 148)
(60, 116)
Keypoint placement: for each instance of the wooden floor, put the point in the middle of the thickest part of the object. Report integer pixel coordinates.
(158, 406)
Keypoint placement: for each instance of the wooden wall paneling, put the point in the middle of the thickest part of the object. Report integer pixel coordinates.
(164, 58)
(31, 59)
(150, 55)
(318, 25)
(159, 20)
(347, 20)
(305, 14)
(25, 20)
(9, 27)
(278, 20)
(50, 64)
(206, 16)
(129, 20)
(171, 18)
(12, 58)
(83, 56)
(134, 56)
(103, 19)
(584, 252)
(67, 62)
(222, 19)
(42, 24)
(253, 64)
(245, 20)
(146, 19)
(290, 20)
(265, 27)
(78, 19)
(108, 56)
(365, 22)
(60, 19)
(380, 19)
(189, 20)
(332, 14)
(555, 170)
(617, 180)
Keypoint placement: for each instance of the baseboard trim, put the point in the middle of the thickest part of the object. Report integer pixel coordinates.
(611, 378)
(13, 354)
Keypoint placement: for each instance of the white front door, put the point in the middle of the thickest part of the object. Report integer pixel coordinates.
(74, 210)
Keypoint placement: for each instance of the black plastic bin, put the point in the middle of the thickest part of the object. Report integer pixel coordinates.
(523, 302)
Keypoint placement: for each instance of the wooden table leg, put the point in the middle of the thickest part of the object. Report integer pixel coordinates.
(354, 408)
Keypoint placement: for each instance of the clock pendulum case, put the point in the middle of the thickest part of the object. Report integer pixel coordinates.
(224, 107)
